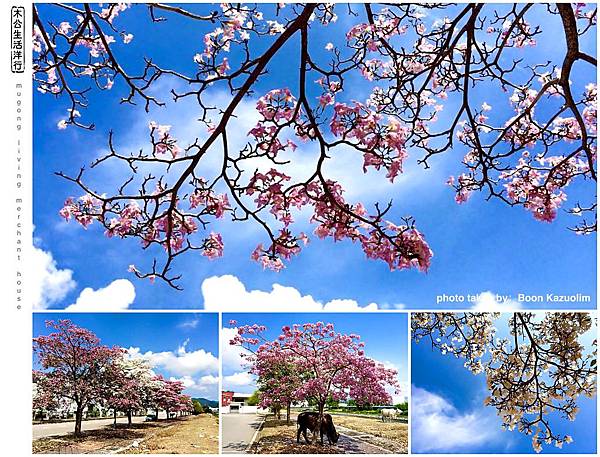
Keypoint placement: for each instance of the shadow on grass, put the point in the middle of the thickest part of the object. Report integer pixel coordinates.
(278, 437)
(88, 441)
(288, 445)
(270, 423)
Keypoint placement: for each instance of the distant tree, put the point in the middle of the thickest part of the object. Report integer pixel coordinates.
(402, 407)
(125, 381)
(74, 367)
(93, 411)
(197, 407)
(169, 395)
(539, 369)
(332, 403)
(184, 405)
(254, 399)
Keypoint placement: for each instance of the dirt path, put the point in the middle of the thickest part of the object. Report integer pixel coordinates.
(277, 437)
(391, 436)
(194, 435)
(66, 428)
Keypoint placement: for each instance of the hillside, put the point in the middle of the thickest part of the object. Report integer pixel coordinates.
(206, 401)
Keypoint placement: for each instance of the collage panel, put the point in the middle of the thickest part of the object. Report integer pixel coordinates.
(314, 383)
(504, 383)
(344, 177)
(135, 383)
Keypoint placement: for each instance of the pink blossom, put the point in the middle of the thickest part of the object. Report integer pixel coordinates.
(64, 28)
(213, 246)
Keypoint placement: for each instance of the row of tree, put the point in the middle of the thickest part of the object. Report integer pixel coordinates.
(313, 363)
(78, 372)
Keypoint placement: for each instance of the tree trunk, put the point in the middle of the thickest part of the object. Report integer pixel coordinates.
(157, 414)
(288, 412)
(320, 424)
(114, 418)
(129, 417)
(78, 419)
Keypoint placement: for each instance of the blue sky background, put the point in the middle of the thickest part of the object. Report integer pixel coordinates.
(445, 376)
(384, 335)
(478, 246)
(176, 344)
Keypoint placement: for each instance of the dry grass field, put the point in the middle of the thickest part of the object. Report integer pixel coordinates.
(189, 435)
(389, 435)
(196, 435)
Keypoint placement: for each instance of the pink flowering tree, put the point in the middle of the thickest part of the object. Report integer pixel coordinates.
(279, 378)
(534, 374)
(168, 395)
(75, 367)
(326, 365)
(184, 405)
(278, 382)
(78, 372)
(124, 385)
(428, 71)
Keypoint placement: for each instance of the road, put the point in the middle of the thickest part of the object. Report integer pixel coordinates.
(64, 428)
(238, 431)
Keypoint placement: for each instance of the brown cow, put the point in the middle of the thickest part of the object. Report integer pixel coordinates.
(309, 420)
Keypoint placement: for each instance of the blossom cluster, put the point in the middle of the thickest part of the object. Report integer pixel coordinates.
(400, 246)
(383, 145)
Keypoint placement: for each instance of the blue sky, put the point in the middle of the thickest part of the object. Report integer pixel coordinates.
(448, 398)
(384, 335)
(181, 346)
(479, 246)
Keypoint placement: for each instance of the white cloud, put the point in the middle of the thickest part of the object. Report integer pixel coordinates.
(238, 379)
(209, 380)
(437, 426)
(48, 284)
(489, 301)
(228, 293)
(181, 362)
(399, 396)
(204, 384)
(231, 355)
(118, 295)
(389, 365)
(190, 324)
